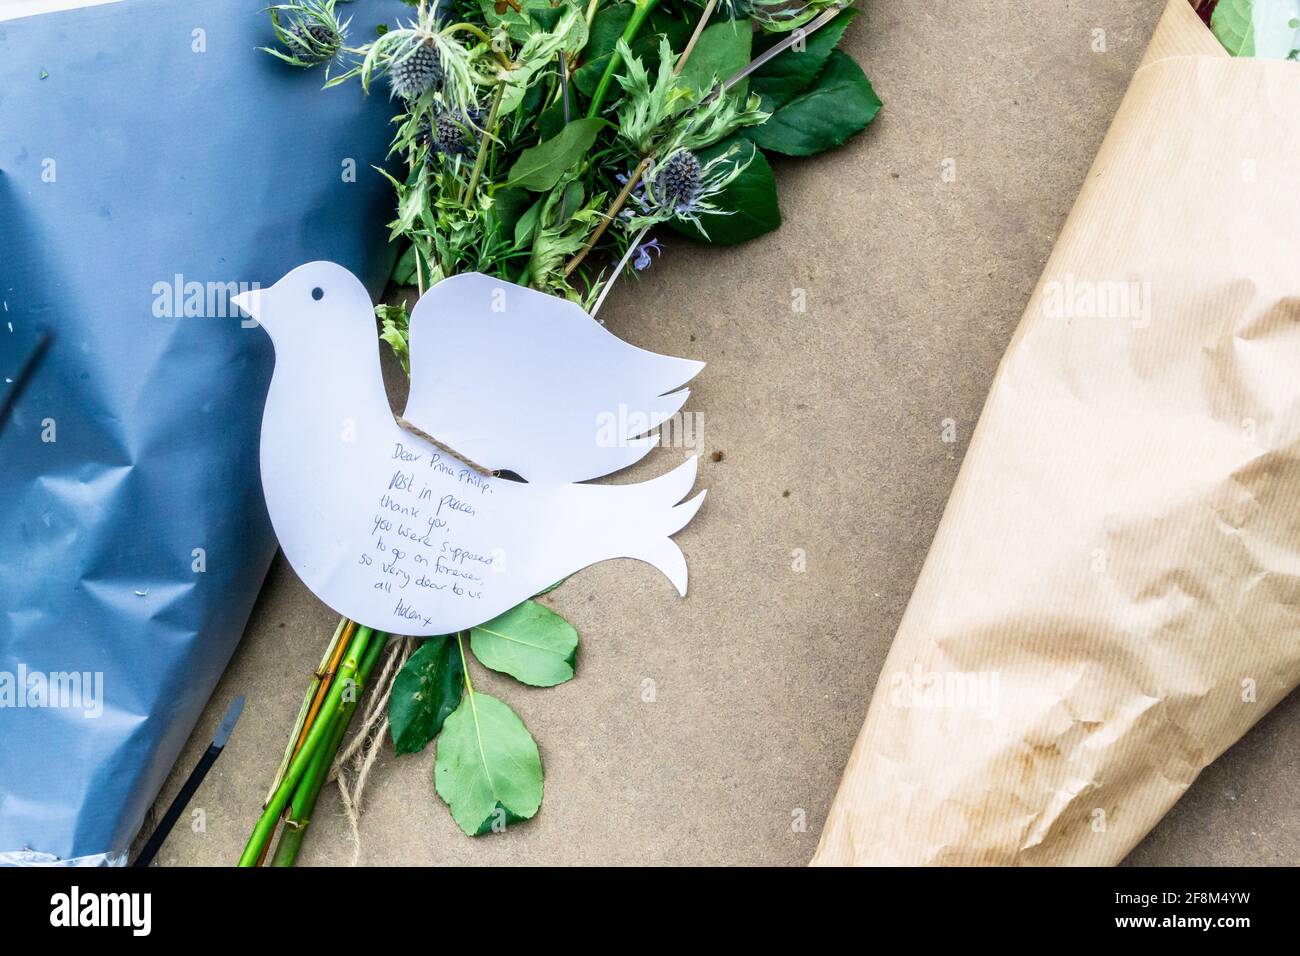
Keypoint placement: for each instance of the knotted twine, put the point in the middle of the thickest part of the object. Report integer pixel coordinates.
(361, 752)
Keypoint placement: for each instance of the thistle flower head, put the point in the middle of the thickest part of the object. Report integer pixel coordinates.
(677, 185)
(452, 132)
(319, 40)
(423, 62)
(415, 70)
(313, 34)
(683, 187)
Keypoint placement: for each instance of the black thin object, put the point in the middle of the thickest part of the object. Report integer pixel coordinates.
(564, 86)
(20, 349)
(196, 776)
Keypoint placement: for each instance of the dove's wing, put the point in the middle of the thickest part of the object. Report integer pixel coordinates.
(518, 380)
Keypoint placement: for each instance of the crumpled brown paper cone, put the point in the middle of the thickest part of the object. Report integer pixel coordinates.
(1113, 595)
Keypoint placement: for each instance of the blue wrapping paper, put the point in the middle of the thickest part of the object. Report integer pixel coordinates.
(151, 160)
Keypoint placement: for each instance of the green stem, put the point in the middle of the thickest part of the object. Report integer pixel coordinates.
(304, 797)
(489, 131)
(317, 677)
(469, 28)
(464, 664)
(419, 267)
(321, 730)
(639, 14)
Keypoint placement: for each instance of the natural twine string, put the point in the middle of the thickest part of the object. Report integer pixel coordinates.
(420, 432)
(367, 742)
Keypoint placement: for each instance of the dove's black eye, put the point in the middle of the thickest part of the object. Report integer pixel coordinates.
(318, 293)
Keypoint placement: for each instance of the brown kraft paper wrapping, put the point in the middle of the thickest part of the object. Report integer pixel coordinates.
(1113, 595)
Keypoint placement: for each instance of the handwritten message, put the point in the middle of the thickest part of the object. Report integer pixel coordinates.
(423, 516)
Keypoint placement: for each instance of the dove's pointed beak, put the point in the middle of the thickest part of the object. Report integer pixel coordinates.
(250, 302)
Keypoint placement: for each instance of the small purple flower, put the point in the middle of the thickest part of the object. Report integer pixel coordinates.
(636, 200)
(642, 260)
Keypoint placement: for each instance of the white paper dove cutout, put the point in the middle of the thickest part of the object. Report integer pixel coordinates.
(543, 372)
(400, 536)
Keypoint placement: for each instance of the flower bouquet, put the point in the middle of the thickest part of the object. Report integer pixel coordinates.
(541, 143)
(1109, 601)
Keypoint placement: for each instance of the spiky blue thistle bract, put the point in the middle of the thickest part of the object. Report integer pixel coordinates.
(452, 133)
(414, 72)
(316, 41)
(678, 184)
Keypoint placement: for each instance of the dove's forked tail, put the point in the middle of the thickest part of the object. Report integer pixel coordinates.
(659, 513)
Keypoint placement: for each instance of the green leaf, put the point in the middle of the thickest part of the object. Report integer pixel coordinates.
(395, 329)
(533, 100)
(840, 104)
(541, 167)
(546, 17)
(608, 26)
(426, 690)
(487, 765)
(529, 642)
(404, 270)
(571, 201)
(1270, 31)
(788, 73)
(1233, 24)
(411, 203)
(509, 205)
(538, 51)
(527, 224)
(522, 22)
(751, 198)
(551, 119)
(721, 52)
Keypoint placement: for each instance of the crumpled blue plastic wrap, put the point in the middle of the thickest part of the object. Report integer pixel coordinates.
(146, 145)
